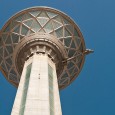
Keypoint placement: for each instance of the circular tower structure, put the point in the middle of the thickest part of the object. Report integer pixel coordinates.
(41, 50)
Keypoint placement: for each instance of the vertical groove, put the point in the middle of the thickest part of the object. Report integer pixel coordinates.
(51, 95)
(25, 89)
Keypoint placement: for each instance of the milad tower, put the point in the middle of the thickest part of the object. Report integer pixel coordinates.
(41, 51)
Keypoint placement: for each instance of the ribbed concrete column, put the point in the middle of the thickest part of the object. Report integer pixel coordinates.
(38, 93)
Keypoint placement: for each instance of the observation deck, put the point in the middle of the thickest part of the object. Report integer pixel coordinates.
(42, 30)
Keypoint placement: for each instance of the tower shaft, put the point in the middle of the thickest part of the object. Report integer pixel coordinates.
(38, 92)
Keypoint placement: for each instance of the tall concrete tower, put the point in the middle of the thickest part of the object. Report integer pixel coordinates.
(41, 51)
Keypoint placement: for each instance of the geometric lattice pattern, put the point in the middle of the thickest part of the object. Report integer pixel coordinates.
(47, 21)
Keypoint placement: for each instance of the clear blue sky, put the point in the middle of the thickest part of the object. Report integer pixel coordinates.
(93, 92)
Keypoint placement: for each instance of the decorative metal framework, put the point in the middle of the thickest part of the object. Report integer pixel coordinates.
(42, 20)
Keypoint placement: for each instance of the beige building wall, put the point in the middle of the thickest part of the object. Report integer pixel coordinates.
(38, 92)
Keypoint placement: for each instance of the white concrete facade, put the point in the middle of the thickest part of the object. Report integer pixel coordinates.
(38, 92)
